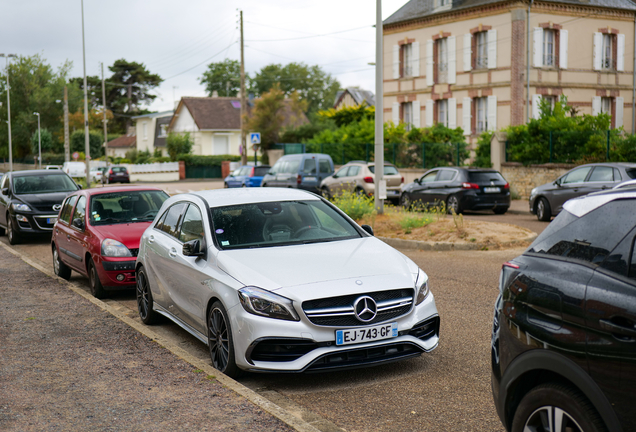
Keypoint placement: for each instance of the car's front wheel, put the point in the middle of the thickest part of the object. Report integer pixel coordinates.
(93, 281)
(544, 212)
(12, 235)
(452, 205)
(325, 193)
(556, 408)
(405, 201)
(144, 299)
(220, 341)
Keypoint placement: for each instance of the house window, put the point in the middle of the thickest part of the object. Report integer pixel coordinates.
(406, 109)
(406, 60)
(163, 131)
(549, 47)
(481, 45)
(442, 60)
(607, 51)
(145, 129)
(606, 105)
(481, 111)
(442, 112)
(551, 100)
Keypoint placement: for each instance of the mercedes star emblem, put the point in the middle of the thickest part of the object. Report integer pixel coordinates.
(365, 309)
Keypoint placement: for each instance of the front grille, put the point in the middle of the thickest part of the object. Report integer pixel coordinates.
(365, 357)
(46, 207)
(134, 252)
(339, 311)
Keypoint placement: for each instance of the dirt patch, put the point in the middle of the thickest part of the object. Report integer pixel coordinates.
(456, 229)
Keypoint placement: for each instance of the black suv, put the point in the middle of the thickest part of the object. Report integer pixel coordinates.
(564, 333)
(31, 200)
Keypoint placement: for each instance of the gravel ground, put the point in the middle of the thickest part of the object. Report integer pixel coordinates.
(67, 365)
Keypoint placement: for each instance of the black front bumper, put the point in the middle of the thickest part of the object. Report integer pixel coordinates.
(35, 223)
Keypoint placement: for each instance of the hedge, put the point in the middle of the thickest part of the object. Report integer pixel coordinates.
(216, 160)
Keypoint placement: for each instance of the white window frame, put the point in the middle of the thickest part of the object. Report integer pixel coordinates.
(549, 47)
(442, 60)
(481, 114)
(606, 52)
(481, 45)
(407, 114)
(144, 126)
(442, 111)
(407, 60)
(606, 105)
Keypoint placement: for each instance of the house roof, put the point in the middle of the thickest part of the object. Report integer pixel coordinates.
(415, 9)
(358, 96)
(153, 115)
(123, 141)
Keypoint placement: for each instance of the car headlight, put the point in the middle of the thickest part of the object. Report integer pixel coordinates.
(20, 207)
(421, 286)
(258, 301)
(113, 248)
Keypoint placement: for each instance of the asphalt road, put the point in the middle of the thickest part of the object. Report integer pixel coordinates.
(445, 390)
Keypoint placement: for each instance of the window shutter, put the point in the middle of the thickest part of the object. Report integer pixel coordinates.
(536, 106)
(492, 49)
(467, 115)
(452, 113)
(563, 49)
(415, 59)
(597, 55)
(415, 108)
(596, 105)
(492, 113)
(452, 60)
(430, 106)
(429, 63)
(537, 48)
(396, 61)
(468, 52)
(620, 52)
(395, 113)
(620, 104)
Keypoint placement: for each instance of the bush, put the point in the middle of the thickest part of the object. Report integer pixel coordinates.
(354, 205)
(178, 144)
(482, 158)
(95, 141)
(216, 160)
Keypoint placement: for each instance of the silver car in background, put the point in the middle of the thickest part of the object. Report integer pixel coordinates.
(281, 280)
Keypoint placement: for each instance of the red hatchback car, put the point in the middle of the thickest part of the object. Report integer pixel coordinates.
(98, 231)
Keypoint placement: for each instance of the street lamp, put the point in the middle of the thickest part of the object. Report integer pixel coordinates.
(39, 140)
(9, 111)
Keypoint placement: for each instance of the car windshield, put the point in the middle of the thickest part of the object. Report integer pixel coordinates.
(125, 207)
(388, 170)
(45, 183)
(279, 224)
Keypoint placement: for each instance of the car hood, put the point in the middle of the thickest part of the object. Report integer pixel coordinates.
(287, 269)
(43, 198)
(129, 234)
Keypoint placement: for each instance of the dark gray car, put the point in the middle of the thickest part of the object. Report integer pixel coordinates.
(547, 200)
(300, 171)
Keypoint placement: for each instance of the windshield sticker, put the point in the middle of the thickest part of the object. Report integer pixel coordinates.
(225, 243)
(219, 231)
(96, 217)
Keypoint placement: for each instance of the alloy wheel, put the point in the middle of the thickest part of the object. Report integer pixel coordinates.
(218, 339)
(540, 209)
(551, 419)
(453, 204)
(143, 301)
(56, 262)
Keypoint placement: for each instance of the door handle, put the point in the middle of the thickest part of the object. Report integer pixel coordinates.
(625, 329)
(173, 252)
(151, 239)
(68, 237)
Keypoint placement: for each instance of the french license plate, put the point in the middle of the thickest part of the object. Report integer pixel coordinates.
(391, 192)
(51, 221)
(310, 178)
(492, 190)
(366, 334)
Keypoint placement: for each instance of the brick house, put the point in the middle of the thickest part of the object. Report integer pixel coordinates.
(463, 62)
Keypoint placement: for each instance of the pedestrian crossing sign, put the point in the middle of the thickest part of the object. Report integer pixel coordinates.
(255, 138)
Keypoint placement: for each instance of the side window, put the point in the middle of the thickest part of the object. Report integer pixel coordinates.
(576, 176)
(160, 221)
(622, 260)
(617, 175)
(171, 223)
(429, 177)
(309, 167)
(80, 213)
(591, 237)
(602, 174)
(325, 166)
(342, 172)
(353, 171)
(65, 214)
(192, 225)
(446, 175)
(292, 166)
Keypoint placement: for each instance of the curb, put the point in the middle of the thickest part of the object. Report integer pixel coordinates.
(267, 406)
(448, 246)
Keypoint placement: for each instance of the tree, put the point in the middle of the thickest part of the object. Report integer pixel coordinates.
(223, 77)
(178, 144)
(95, 141)
(312, 84)
(45, 141)
(95, 118)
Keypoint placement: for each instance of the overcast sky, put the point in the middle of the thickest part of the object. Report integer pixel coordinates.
(177, 39)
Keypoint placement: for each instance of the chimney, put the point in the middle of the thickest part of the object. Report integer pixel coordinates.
(132, 130)
(215, 94)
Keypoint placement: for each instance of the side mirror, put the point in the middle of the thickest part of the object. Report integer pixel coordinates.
(79, 186)
(78, 223)
(193, 248)
(368, 229)
(5, 191)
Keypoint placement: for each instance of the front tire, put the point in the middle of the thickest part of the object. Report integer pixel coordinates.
(500, 211)
(220, 341)
(452, 205)
(12, 234)
(325, 193)
(144, 299)
(550, 404)
(93, 280)
(543, 211)
(405, 201)
(59, 268)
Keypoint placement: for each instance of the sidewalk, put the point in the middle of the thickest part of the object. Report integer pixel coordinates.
(519, 207)
(67, 364)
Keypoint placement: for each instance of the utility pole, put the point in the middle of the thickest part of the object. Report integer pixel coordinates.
(39, 141)
(9, 111)
(67, 140)
(87, 147)
(105, 120)
(243, 102)
(380, 183)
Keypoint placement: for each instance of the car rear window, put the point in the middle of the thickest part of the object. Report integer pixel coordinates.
(631, 172)
(261, 171)
(485, 177)
(119, 169)
(388, 170)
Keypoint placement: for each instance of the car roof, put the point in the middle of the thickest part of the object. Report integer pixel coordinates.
(582, 205)
(226, 197)
(111, 189)
(25, 173)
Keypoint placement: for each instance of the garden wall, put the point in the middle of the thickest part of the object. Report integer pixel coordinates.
(523, 179)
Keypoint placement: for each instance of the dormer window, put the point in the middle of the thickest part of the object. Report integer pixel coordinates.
(443, 4)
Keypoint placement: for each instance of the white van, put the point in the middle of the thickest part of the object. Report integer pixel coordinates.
(75, 169)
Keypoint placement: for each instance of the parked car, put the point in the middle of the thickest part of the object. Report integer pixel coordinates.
(302, 171)
(53, 167)
(246, 176)
(626, 184)
(459, 189)
(359, 177)
(75, 169)
(117, 174)
(31, 200)
(547, 200)
(563, 338)
(244, 280)
(98, 232)
(96, 174)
